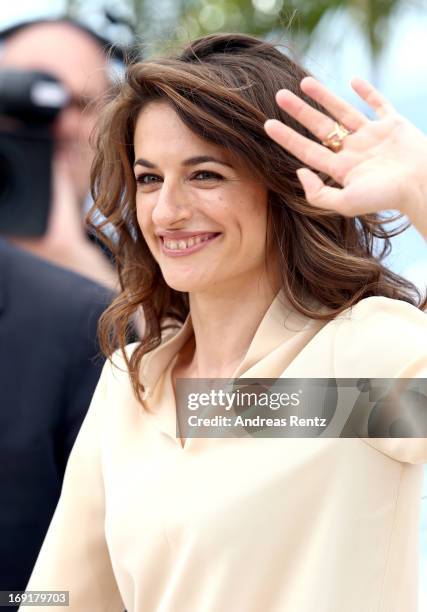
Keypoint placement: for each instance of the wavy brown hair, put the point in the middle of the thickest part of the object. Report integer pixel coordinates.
(223, 88)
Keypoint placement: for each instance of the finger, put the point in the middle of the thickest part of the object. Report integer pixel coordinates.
(319, 124)
(309, 152)
(372, 97)
(318, 194)
(345, 114)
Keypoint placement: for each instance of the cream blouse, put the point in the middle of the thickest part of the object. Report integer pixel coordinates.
(244, 524)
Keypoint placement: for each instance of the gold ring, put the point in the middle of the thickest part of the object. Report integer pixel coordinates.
(334, 140)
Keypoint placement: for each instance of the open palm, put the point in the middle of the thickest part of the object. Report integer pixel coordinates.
(381, 165)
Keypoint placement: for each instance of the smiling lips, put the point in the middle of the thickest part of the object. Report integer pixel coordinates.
(183, 245)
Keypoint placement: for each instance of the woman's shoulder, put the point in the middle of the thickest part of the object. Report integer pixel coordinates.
(378, 316)
(381, 337)
(385, 338)
(378, 305)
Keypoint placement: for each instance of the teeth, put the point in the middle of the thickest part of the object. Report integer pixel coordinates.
(174, 245)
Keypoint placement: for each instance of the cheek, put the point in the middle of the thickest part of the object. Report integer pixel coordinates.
(252, 217)
(139, 218)
(259, 209)
(143, 217)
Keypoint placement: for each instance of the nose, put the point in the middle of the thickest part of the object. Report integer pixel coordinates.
(171, 209)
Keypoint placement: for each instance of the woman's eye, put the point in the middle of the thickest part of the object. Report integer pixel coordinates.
(147, 179)
(205, 175)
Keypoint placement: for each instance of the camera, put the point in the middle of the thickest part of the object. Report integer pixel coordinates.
(29, 104)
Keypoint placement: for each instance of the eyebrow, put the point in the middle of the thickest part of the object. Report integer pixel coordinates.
(191, 161)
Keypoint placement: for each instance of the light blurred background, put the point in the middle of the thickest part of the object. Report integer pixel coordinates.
(382, 40)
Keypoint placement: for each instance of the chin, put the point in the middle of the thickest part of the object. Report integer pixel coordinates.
(185, 284)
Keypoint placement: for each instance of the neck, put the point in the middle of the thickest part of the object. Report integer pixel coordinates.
(224, 324)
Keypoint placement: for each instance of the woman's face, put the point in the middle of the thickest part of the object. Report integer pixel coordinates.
(203, 216)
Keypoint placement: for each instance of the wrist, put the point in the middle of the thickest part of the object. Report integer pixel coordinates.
(415, 208)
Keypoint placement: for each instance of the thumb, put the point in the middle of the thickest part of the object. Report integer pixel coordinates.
(317, 193)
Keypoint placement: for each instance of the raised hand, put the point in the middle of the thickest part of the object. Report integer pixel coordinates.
(380, 164)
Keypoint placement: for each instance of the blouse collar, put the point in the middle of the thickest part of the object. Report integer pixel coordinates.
(264, 357)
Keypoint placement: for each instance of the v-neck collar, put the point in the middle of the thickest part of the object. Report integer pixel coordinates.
(281, 335)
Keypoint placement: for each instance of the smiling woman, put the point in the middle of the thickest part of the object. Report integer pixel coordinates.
(199, 201)
(245, 265)
(213, 100)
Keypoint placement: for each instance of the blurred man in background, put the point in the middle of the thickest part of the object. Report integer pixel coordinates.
(48, 372)
(48, 315)
(77, 58)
